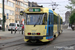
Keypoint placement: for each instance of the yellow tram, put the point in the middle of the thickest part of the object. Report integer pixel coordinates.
(41, 24)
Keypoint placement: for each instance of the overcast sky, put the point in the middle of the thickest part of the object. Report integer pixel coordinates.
(60, 9)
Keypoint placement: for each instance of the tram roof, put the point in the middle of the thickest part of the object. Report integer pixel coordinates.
(44, 10)
(50, 11)
(56, 14)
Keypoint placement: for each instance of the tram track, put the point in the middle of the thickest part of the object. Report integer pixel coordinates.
(10, 44)
(50, 44)
(36, 48)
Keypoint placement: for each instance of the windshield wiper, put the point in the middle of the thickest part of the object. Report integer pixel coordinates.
(37, 21)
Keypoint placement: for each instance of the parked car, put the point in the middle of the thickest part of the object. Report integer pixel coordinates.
(0, 27)
(13, 26)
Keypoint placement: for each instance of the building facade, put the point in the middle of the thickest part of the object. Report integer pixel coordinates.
(67, 16)
(12, 10)
(20, 5)
(9, 11)
(32, 4)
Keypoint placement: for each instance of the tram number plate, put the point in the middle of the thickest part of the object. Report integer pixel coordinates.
(33, 33)
(34, 10)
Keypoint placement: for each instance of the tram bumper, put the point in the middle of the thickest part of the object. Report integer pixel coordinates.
(33, 37)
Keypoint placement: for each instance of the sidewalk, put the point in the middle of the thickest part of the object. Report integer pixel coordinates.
(6, 36)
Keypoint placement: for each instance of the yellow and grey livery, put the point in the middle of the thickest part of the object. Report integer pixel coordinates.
(42, 24)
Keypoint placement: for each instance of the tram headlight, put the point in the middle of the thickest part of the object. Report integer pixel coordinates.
(41, 9)
(27, 9)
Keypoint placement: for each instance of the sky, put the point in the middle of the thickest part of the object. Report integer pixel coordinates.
(60, 9)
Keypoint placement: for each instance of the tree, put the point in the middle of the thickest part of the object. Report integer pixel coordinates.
(72, 12)
(71, 7)
(72, 18)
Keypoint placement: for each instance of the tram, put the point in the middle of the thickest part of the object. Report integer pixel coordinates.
(41, 24)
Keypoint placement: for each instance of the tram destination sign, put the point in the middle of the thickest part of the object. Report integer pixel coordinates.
(34, 10)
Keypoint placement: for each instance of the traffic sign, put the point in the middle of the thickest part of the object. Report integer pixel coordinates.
(7, 16)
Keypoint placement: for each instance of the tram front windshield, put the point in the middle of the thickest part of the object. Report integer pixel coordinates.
(34, 19)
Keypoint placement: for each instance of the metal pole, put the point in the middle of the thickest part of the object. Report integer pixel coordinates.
(3, 18)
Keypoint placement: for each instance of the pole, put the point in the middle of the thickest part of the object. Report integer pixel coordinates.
(3, 18)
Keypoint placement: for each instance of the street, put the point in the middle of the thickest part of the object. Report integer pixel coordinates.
(65, 41)
(47, 25)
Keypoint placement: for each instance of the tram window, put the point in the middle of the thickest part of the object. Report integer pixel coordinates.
(44, 20)
(28, 19)
(50, 18)
(55, 19)
(34, 19)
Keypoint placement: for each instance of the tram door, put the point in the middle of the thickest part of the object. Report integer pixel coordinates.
(51, 20)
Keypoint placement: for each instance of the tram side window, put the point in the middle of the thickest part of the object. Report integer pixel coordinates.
(61, 21)
(45, 20)
(50, 18)
(55, 19)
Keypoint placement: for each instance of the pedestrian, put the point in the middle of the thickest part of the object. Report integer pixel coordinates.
(73, 27)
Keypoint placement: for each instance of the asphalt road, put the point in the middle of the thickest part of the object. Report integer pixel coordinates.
(65, 41)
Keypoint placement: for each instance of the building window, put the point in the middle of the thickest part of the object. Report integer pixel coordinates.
(5, 11)
(25, 6)
(9, 4)
(16, 8)
(6, 2)
(25, 0)
(0, 10)
(12, 4)
(18, 3)
(16, 16)
(21, 9)
(10, 12)
(0, 1)
(21, 4)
